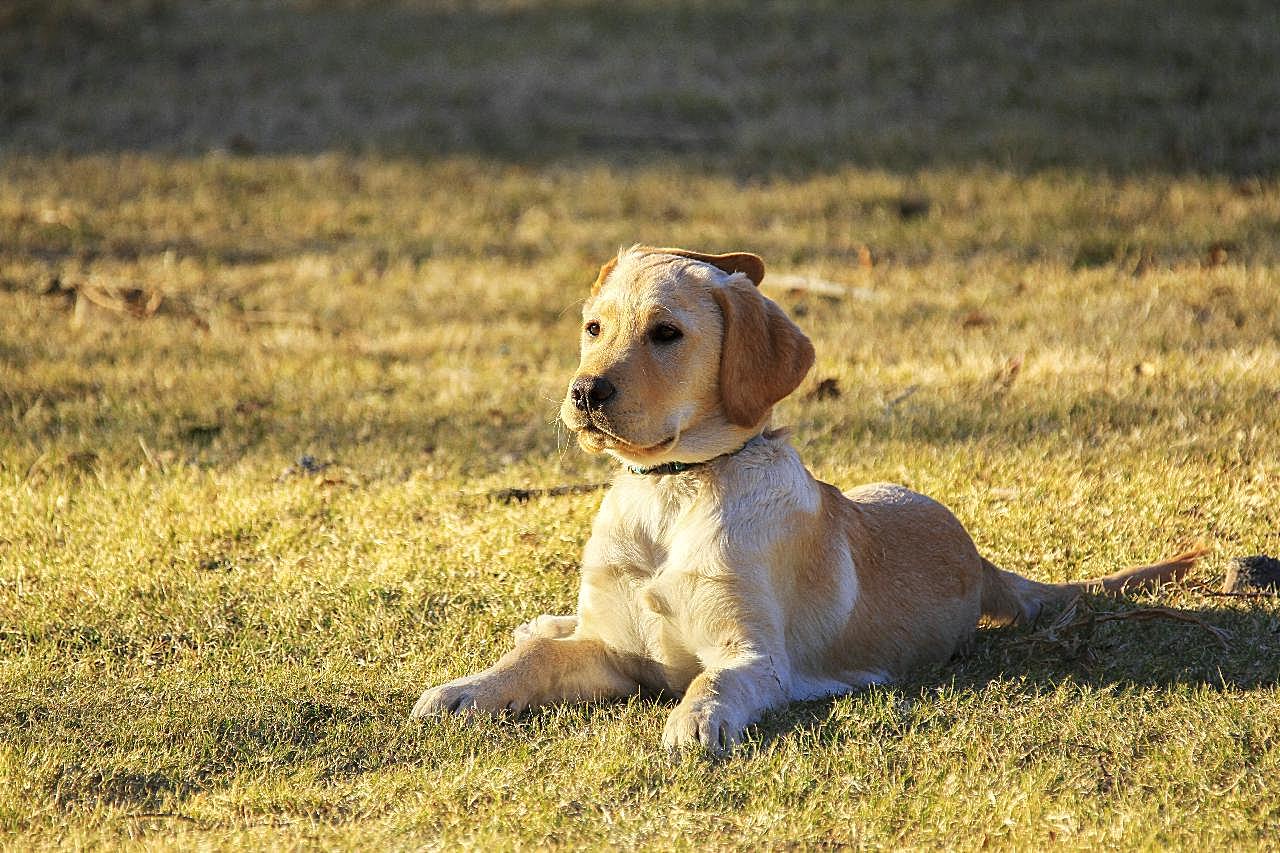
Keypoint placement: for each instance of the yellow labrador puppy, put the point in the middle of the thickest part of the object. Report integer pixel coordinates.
(718, 568)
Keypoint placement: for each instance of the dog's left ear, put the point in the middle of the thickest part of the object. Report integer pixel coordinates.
(605, 269)
(764, 356)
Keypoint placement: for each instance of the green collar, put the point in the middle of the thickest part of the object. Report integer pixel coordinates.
(680, 467)
(667, 468)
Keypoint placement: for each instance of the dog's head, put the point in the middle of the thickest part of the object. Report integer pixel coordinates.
(682, 357)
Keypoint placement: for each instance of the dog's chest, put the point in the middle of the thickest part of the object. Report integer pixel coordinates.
(639, 581)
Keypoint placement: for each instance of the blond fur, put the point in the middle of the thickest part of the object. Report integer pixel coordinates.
(743, 583)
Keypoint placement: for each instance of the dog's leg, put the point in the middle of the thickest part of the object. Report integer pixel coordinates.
(539, 671)
(720, 703)
(546, 625)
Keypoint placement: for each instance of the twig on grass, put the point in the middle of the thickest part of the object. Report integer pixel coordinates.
(901, 398)
(34, 467)
(1073, 630)
(264, 317)
(517, 495)
(1222, 635)
(1072, 620)
(149, 456)
(176, 815)
(822, 287)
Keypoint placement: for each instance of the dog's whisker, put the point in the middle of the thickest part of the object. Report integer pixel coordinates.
(577, 303)
(675, 439)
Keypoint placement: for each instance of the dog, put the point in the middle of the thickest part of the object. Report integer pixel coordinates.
(718, 569)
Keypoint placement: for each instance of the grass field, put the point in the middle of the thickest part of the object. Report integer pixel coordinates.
(369, 228)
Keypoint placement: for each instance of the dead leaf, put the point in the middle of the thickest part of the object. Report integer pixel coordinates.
(1218, 253)
(976, 319)
(83, 460)
(1146, 263)
(1248, 187)
(251, 406)
(93, 301)
(133, 301)
(826, 389)
(240, 144)
(913, 206)
(55, 287)
(1008, 373)
(202, 433)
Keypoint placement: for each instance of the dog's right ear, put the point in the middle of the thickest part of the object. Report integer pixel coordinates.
(604, 273)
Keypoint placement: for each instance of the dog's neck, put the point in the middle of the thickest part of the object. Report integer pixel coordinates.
(668, 468)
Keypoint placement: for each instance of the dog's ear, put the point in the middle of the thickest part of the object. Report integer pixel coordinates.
(764, 356)
(604, 273)
(732, 262)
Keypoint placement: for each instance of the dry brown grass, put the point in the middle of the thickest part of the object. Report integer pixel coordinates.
(205, 643)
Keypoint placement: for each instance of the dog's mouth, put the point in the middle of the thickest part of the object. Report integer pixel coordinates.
(601, 435)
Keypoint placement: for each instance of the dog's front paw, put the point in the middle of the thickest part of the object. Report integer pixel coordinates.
(710, 726)
(479, 693)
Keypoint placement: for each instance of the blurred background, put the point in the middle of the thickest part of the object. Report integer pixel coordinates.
(755, 88)
(338, 221)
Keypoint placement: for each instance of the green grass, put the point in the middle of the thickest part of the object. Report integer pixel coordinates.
(203, 646)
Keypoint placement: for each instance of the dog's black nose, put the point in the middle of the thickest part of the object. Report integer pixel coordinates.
(588, 391)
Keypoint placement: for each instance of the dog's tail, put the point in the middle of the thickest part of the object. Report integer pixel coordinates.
(1011, 599)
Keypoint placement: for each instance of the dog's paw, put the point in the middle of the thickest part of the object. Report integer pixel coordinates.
(474, 694)
(546, 625)
(709, 726)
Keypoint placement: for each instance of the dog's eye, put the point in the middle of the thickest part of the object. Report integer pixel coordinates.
(593, 328)
(665, 333)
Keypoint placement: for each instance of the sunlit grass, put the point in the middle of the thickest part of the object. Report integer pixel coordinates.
(1059, 315)
(205, 642)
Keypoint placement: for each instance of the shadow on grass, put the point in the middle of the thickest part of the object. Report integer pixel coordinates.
(209, 731)
(756, 88)
(1093, 650)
